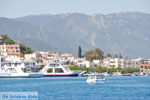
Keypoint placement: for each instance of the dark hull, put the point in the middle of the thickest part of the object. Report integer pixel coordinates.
(62, 75)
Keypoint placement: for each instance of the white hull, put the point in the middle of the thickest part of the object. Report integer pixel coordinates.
(96, 81)
(56, 69)
(96, 78)
(22, 75)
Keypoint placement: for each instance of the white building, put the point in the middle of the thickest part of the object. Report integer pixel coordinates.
(133, 63)
(123, 63)
(82, 62)
(30, 56)
(96, 62)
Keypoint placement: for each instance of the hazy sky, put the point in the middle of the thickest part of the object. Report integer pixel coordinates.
(18, 8)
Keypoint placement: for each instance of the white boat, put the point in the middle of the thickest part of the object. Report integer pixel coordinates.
(96, 78)
(117, 74)
(106, 74)
(56, 69)
(19, 70)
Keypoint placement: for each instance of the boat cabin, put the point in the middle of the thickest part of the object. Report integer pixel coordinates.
(24, 66)
(57, 68)
(93, 76)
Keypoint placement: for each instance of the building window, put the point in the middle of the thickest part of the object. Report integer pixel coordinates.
(141, 66)
(146, 67)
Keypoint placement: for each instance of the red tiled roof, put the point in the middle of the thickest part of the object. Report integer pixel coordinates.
(38, 53)
(96, 73)
(1, 37)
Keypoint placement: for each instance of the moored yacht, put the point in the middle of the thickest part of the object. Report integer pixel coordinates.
(56, 69)
(19, 70)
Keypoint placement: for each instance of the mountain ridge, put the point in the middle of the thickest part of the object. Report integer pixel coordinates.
(125, 33)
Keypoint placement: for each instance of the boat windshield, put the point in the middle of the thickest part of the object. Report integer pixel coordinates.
(54, 65)
(91, 77)
(12, 70)
(50, 70)
(27, 70)
(100, 76)
(66, 68)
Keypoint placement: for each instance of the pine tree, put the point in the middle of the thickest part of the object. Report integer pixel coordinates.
(79, 52)
(116, 55)
(108, 55)
(120, 56)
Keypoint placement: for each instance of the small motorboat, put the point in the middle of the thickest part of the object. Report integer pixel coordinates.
(96, 78)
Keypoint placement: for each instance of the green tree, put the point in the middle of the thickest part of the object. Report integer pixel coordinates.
(100, 53)
(91, 55)
(120, 56)
(116, 55)
(7, 39)
(101, 69)
(108, 55)
(142, 61)
(126, 58)
(79, 52)
(119, 68)
(25, 50)
(94, 54)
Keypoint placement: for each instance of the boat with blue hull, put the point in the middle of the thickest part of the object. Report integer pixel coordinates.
(62, 75)
(56, 69)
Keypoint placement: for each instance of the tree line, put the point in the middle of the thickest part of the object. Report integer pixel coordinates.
(96, 54)
(105, 69)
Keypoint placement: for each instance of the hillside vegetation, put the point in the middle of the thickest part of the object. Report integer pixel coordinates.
(8, 41)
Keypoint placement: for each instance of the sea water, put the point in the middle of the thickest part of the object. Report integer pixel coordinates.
(76, 88)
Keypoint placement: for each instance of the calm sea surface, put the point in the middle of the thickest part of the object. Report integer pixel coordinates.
(116, 88)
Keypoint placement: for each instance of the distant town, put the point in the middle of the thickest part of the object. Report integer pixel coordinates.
(92, 59)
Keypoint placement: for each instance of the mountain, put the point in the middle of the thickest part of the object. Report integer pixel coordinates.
(126, 33)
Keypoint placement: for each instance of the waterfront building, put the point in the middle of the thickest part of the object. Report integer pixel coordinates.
(54, 54)
(13, 58)
(82, 62)
(145, 61)
(3, 51)
(6, 50)
(133, 63)
(30, 56)
(145, 69)
(67, 58)
(123, 63)
(96, 62)
(113, 62)
(1, 39)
